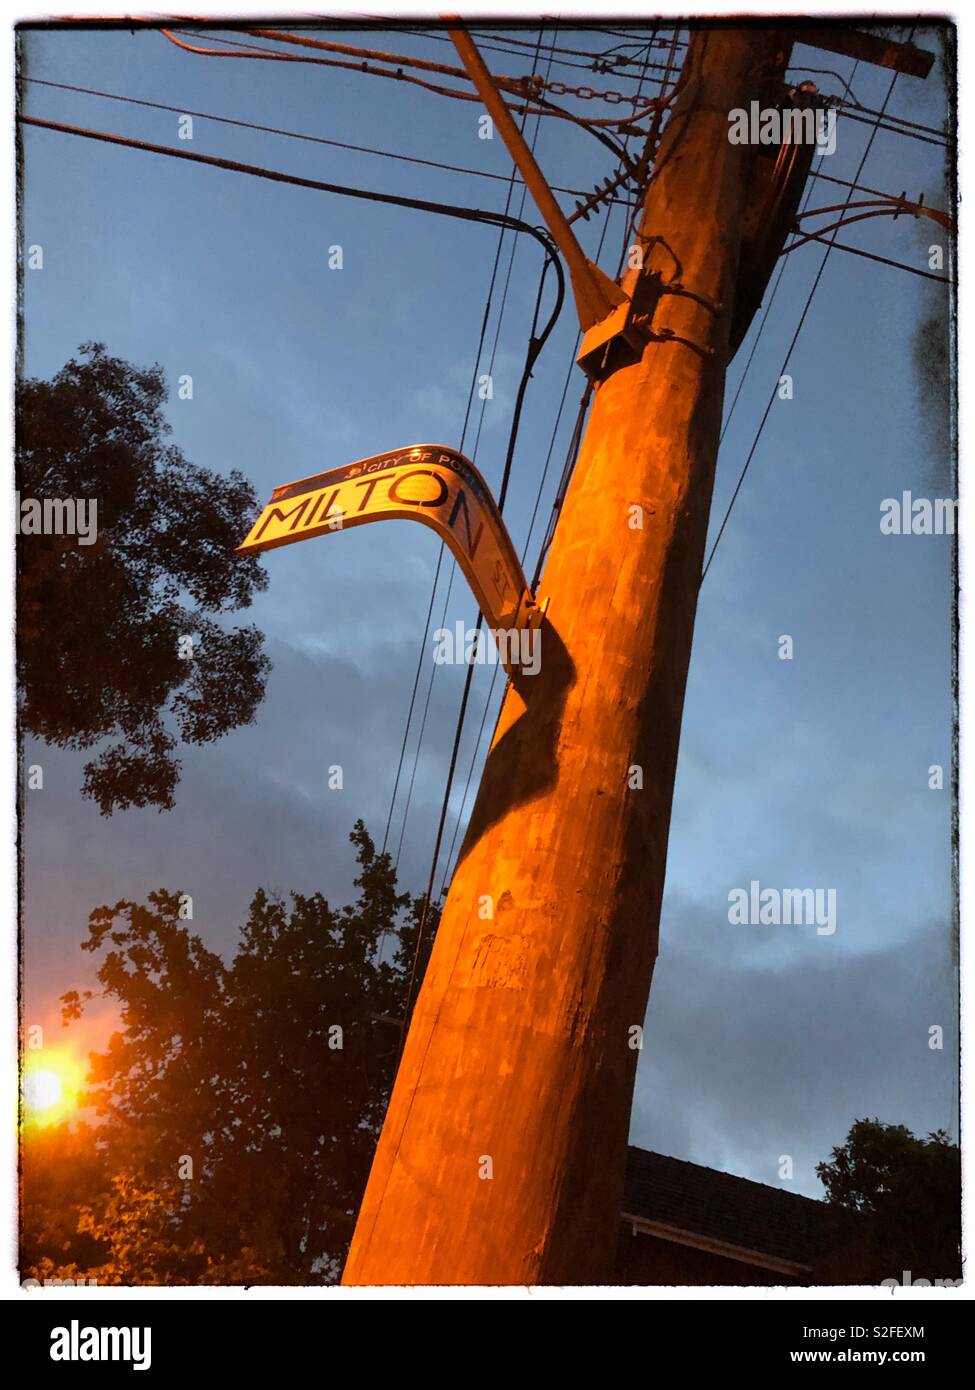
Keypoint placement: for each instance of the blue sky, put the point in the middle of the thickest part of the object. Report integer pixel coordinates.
(760, 1041)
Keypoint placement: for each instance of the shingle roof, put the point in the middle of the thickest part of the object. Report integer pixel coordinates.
(723, 1207)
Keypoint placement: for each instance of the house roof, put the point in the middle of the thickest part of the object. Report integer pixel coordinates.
(724, 1210)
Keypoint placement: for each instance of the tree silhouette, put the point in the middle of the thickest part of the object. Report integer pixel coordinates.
(907, 1195)
(102, 649)
(66, 1173)
(240, 1104)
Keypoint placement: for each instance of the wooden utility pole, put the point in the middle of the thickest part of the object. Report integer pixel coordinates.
(501, 1159)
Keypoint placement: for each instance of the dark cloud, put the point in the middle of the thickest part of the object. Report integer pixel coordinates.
(744, 1063)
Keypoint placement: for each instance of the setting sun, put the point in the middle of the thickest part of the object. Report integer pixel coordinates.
(51, 1081)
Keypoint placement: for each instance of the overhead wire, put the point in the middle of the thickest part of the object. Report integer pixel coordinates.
(573, 449)
(423, 643)
(295, 134)
(761, 328)
(536, 342)
(502, 220)
(580, 52)
(804, 212)
(486, 46)
(487, 703)
(937, 138)
(890, 121)
(882, 260)
(319, 185)
(893, 209)
(882, 121)
(792, 344)
(397, 155)
(592, 124)
(576, 440)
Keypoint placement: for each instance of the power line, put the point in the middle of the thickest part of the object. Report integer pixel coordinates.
(536, 342)
(877, 207)
(581, 53)
(535, 345)
(521, 86)
(481, 418)
(487, 310)
(792, 344)
(487, 703)
(890, 120)
(297, 135)
(817, 173)
(649, 158)
(634, 38)
(937, 139)
(882, 260)
(464, 214)
(761, 329)
(409, 714)
(254, 51)
(448, 871)
(470, 398)
(541, 485)
(531, 525)
(397, 155)
(485, 46)
(502, 220)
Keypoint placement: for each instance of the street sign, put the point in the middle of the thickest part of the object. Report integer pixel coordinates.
(430, 483)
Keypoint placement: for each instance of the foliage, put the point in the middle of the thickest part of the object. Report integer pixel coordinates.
(266, 1079)
(907, 1194)
(101, 650)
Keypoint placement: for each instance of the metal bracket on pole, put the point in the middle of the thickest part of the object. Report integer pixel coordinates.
(603, 307)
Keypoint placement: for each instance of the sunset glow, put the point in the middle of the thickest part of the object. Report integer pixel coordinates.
(52, 1079)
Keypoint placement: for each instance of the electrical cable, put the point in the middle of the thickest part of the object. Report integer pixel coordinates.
(891, 121)
(423, 643)
(486, 46)
(536, 342)
(409, 717)
(492, 219)
(792, 344)
(761, 330)
(883, 260)
(889, 209)
(891, 130)
(576, 438)
(255, 52)
(576, 52)
(531, 525)
(535, 345)
(470, 397)
(298, 135)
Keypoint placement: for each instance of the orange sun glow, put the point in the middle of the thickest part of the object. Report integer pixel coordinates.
(51, 1081)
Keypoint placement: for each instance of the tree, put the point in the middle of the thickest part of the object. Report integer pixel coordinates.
(118, 636)
(239, 1106)
(906, 1193)
(66, 1172)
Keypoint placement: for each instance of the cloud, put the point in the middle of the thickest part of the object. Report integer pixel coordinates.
(744, 1063)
